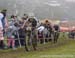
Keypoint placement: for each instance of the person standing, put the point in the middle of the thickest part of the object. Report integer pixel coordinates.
(56, 32)
(3, 25)
(33, 22)
(22, 30)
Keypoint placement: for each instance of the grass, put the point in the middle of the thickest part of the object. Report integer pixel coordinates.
(63, 49)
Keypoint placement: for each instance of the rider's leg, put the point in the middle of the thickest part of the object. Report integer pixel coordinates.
(34, 42)
(26, 48)
(29, 38)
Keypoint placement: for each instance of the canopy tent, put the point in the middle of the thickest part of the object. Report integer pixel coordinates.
(64, 29)
(67, 29)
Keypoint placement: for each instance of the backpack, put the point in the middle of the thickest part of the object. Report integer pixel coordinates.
(33, 22)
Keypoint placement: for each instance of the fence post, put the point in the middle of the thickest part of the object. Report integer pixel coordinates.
(19, 39)
(44, 36)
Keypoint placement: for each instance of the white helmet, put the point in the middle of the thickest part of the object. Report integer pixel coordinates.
(31, 15)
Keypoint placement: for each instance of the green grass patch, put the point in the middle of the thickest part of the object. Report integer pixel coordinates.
(65, 48)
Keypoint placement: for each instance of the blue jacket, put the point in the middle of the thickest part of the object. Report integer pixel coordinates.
(3, 22)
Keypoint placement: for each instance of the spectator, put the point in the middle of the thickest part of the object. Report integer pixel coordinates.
(56, 33)
(3, 25)
(11, 37)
